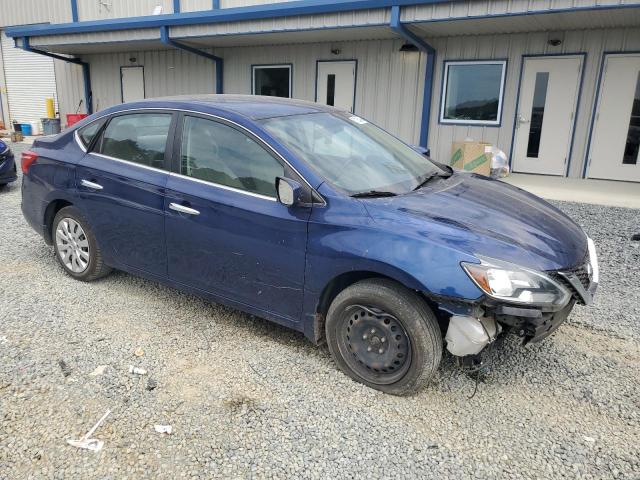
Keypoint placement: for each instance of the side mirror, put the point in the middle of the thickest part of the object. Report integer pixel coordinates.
(289, 191)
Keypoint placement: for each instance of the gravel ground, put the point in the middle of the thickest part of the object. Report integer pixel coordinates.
(247, 398)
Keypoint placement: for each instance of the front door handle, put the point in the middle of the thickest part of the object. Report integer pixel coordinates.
(182, 209)
(91, 185)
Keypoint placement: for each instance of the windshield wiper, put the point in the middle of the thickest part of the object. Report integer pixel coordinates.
(373, 193)
(430, 177)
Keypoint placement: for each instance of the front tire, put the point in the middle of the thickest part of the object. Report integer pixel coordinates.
(384, 336)
(76, 247)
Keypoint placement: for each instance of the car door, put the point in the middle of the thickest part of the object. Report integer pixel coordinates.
(121, 182)
(226, 232)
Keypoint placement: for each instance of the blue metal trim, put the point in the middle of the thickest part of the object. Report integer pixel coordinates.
(215, 4)
(501, 104)
(575, 117)
(257, 12)
(219, 62)
(397, 26)
(221, 15)
(595, 103)
(74, 10)
(176, 6)
(85, 69)
(290, 65)
(355, 78)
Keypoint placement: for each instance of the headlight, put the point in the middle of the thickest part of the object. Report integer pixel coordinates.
(593, 261)
(514, 284)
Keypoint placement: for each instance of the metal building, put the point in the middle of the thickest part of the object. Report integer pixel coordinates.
(554, 83)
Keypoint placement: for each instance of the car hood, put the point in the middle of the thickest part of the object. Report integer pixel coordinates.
(485, 217)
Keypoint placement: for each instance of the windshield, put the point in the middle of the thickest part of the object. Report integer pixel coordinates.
(351, 153)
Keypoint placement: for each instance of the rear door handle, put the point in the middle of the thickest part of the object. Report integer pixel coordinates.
(182, 209)
(91, 185)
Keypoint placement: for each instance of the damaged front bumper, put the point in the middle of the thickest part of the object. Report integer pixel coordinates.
(473, 326)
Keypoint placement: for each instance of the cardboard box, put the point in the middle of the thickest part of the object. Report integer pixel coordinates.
(472, 156)
(16, 137)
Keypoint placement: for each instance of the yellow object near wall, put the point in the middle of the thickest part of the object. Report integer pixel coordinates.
(51, 111)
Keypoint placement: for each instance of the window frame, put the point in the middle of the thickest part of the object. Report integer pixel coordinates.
(443, 93)
(88, 147)
(272, 65)
(97, 143)
(288, 170)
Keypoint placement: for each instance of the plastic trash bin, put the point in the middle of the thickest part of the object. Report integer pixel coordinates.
(26, 129)
(50, 126)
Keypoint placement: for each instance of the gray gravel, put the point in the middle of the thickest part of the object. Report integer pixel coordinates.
(247, 398)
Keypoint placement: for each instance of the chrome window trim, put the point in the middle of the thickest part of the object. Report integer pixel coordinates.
(76, 135)
(223, 187)
(244, 129)
(128, 162)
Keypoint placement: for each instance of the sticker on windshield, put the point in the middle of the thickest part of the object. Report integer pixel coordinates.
(358, 120)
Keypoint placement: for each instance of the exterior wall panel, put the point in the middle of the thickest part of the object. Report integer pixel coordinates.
(70, 87)
(170, 72)
(98, 9)
(23, 12)
(513, 47)
(195, 5)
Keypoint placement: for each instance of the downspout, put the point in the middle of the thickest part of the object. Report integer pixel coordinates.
(423, 46)
(86, 75)
(164, 37)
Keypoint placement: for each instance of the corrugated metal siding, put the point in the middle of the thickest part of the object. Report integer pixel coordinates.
(512, 47)
(99, 9)
(30, 79)
(22, 12)
(471, 8)
(388, 86)
(246, 3)
(70, 87)
(98, 37)
(195, 5)
(345, 19)
(171, 72)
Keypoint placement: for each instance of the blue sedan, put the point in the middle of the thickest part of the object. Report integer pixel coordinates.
(8, 172)
(313, 218)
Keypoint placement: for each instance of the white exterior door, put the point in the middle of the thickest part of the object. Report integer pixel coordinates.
(544, 125)
(616, 132)
(132, 83)
(30, 79)
(336, 84)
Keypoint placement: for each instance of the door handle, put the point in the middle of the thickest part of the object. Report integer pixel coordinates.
(182, 209)
(91, 185)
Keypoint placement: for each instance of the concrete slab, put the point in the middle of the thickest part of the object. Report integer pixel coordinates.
(599, 192)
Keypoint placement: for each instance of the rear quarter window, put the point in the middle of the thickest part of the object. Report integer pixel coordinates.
(88, 133)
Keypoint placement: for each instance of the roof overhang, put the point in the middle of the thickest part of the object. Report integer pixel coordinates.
(311, 21)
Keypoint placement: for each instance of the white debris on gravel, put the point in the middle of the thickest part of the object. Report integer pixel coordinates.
(250, 399)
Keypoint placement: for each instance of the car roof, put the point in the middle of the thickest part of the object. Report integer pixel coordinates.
(251, 106)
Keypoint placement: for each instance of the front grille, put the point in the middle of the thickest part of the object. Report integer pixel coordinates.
(581, 271)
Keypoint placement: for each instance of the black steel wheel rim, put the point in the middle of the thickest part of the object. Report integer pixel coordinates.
(374, 344)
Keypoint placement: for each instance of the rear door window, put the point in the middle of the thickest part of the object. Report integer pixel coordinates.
(139, 138)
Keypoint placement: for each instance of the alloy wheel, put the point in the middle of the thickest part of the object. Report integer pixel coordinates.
(72, 245)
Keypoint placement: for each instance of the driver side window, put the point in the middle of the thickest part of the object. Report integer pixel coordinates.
(220, 154)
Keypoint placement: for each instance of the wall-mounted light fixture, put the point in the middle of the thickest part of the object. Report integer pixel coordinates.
(133, 59)
(336, 51)
(554, 42)
(409, 47)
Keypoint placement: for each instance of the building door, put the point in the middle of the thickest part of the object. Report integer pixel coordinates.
(549, 91)
(30, 79)
(616, 132)
(132, 79)
(336, 84)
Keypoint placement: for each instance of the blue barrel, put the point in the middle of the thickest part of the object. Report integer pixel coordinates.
(26, 129)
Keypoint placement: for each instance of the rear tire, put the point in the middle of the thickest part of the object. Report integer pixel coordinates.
(76, 247)
(384, 336)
